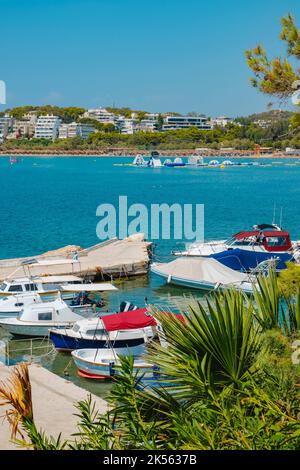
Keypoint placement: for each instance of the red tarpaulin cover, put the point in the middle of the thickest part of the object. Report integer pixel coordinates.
(128, 320)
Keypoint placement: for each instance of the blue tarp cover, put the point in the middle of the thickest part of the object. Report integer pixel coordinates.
(243, 260)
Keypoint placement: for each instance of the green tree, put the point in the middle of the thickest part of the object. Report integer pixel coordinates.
(277, 76)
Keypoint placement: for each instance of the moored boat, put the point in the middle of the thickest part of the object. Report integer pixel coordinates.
(265, 238)
(36, 320)
(12, 305)
(50, 286)
(204, 274)
(103, 364)
(131, 329)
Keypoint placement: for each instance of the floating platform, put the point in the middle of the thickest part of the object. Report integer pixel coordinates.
(109, 260)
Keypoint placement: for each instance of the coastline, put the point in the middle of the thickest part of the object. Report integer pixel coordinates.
(131, 153)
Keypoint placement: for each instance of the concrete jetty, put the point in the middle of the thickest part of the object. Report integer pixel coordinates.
(53, 404)
(112, 259)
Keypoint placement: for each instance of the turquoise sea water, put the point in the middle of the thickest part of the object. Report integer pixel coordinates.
(47, 203)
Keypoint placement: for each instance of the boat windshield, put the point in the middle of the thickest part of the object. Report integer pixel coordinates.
(95, 332)
(3, 286)
(243, 242)
(276, 241)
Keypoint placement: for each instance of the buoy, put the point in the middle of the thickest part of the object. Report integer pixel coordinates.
(222, 167)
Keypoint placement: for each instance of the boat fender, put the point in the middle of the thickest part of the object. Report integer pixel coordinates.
(169, 278)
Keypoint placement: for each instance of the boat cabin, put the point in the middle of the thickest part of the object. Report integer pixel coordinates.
(36, 284)
(56, 312)
(272, 240)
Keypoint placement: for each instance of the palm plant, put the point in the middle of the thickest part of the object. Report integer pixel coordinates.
(273, 308)
(267, 299)
(222, 395)
(216, 345)
(16, 394)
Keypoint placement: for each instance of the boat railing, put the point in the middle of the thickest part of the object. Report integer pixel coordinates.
(25, 350)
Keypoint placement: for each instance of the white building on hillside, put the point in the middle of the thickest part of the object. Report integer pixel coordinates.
(264, 124)
(47, 127)
(101, 115)
(126, 125)
(148, 123)
(6, 123)
(24, 127)
(221, 121)
(75, 129)
(184, 122)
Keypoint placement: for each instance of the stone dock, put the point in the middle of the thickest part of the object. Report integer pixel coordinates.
(53, 404)
(106, 261)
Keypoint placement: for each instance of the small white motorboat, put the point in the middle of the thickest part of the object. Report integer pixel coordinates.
(36, 320)
(12, 305)
(44, 285)
(102, 364)
(50, 286)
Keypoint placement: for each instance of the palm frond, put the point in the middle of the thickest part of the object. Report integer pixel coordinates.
(17, 395)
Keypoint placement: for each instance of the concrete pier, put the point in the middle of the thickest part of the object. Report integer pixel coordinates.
(108, 260)
(53, 404)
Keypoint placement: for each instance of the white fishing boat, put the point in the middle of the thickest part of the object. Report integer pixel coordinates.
(36, 320)
(130, 329)
(50, 286)
(203, 273)
(12, 305)
(103, 364)
(44, 285)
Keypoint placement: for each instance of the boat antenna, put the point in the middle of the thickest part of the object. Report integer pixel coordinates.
(274, 213)
(281, 214)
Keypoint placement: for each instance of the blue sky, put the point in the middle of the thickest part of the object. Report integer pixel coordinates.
(158, 55)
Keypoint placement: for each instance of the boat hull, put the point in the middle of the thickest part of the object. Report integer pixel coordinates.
(63, 342)
(12, 314)
(199, 284)
(29, 330)
(106, 368)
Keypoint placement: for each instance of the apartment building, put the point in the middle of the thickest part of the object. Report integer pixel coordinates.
(47, 127)
(75, 129)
